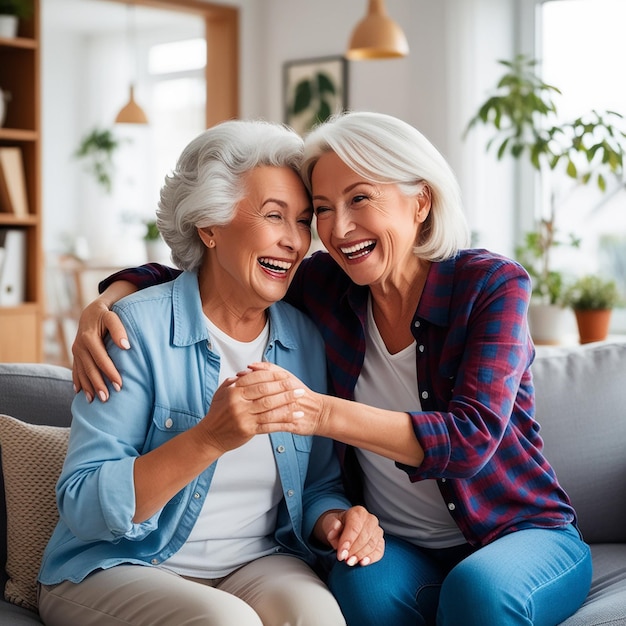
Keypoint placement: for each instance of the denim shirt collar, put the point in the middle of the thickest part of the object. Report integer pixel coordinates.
(188, 316)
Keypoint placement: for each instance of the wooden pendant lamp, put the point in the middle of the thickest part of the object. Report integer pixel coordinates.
(377, 36)
(131, 113)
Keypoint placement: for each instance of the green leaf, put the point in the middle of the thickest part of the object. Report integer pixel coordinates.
(303, 96)
(325, 84)
(571, 170)
(323, 112)
(502, 148)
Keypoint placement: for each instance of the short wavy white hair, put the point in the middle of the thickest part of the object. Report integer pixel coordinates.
(207, 182)
(384, 149)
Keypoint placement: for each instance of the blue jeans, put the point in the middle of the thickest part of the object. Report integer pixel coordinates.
(532, 577)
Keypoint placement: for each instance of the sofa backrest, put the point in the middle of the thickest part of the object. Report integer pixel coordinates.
(580, 396)
(581, 407)
(38, 394)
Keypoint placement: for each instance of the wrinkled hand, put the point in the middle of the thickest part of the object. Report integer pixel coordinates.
(309, 409)
(91, 359)
(355, 534)
(239, 409)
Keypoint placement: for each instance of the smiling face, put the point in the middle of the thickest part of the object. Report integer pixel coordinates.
(370, 229)
(252, 260)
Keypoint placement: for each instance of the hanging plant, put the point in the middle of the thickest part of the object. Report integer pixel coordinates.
(97, 148)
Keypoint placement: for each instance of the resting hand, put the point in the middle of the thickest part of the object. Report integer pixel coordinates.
(91, 359)
(355, 534)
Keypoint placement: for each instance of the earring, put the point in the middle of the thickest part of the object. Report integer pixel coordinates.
(211, 243)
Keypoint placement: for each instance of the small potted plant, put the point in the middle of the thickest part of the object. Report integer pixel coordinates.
(11, 11)
(157, 251)
(592, 299)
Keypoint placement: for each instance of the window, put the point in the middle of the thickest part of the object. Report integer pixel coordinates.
(174, 91)
(582, 50)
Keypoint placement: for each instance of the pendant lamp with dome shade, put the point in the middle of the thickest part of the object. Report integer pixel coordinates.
(131, 113)
(377, 36)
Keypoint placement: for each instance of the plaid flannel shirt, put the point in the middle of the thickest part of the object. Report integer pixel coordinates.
(473, 354)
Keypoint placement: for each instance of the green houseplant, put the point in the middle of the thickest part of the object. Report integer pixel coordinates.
(152, 232)
(523, 117)
(592, 298)
(11, 12)
(98, 147)
(21, 9)
(592, 292)
(157, 250)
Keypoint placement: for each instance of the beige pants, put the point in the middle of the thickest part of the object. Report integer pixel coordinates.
(275, 590)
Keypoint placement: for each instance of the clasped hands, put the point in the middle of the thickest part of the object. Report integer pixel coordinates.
(265, 399)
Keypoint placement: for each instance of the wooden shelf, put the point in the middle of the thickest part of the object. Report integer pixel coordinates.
(19, 42)
(21, 325)
(18, 134)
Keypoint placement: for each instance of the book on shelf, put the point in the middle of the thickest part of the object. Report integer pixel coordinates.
(12, 266)
(13, 196)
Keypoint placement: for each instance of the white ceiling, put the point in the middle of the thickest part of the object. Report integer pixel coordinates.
(101, 16)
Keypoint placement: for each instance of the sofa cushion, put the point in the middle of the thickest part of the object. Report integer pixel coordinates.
(32, 458)
(37, 393)
(581, 408)
(606, 603)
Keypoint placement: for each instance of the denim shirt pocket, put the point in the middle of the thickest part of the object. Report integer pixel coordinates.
(167, 423)
(303, 443)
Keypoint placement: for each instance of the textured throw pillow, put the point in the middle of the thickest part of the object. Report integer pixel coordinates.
(32, 458)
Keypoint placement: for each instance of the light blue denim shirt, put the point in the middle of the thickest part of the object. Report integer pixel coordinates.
(170, 375)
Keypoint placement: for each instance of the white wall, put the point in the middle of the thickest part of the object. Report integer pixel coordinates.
(454, 45)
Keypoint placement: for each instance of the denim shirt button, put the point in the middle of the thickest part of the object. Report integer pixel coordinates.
(280, 449)
(421, 348)
(451, 506)
(169, 422)
(416, 324)
(196, 495)
(424, 394)
(291, 493)
(154, 561)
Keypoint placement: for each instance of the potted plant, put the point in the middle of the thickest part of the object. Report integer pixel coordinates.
(11, 11)
(523, 116)
(157, 251)
(98, 148)
(592, 299)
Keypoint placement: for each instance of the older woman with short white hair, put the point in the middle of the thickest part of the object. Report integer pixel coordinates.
(182, 499)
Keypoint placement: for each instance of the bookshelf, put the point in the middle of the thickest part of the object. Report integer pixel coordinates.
(21, 322)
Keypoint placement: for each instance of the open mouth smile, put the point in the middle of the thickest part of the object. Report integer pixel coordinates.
(275, 267)
(358, 250)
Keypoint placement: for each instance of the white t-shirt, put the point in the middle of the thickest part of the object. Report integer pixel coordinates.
(416, 511)
(238, 519)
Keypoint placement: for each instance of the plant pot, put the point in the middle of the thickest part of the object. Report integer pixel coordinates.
(8, 26)
(157, 251)
(593, 324)
(546, 323)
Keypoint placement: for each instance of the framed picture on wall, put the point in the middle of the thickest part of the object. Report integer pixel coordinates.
(314, 89)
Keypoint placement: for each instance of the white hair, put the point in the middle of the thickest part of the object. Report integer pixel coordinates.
(208, 180)
(384, 149)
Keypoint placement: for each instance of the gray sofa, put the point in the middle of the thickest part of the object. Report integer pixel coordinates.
(581, 406)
